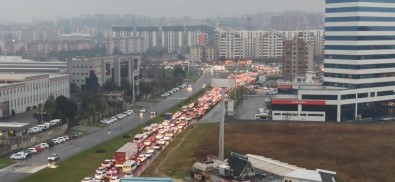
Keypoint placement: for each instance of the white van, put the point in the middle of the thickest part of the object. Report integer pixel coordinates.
(33, 130)
(47, 125)
(41, 127)
(148, 130)
(55, 122)
(139, 138)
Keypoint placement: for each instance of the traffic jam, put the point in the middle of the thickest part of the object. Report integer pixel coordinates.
(134, 157)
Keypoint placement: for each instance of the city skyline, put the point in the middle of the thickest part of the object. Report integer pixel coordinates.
(25, 11)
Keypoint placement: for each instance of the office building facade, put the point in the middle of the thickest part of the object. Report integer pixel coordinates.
(359, 78)
(24, 92)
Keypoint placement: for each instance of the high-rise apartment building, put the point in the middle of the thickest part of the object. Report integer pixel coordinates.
(174, 39)
(230, 44)
(269, 45)
(203, 53)
(297, 59)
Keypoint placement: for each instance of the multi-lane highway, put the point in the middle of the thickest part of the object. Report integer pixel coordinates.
(37, 162)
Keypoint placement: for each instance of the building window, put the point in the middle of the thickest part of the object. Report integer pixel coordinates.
(372, 94)
(348, 96)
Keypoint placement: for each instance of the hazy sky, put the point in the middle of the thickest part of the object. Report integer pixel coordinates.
(25, 10)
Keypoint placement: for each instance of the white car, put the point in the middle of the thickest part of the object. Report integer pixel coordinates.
(161, 142)
(32, 150)
(159, 136)
(167, 138)
(66, 138)
(88, 179)
(44, 145)
(56, 141)
(61, 139)
(143, 110)
(149, 153)
(161, 131)
(101, 169)
(54, 157)
(19, 156)
(115, 179)
(147, 142)
(107, 163)
(142, 158)
(100, 175)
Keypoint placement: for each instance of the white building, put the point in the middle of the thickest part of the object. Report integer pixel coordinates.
(90, 73)
(23, 92)
(230, 44)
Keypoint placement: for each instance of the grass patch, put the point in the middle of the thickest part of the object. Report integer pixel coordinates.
(179, 161)
(5, 161)
(347, 149)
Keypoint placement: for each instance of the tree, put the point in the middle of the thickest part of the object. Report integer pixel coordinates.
(65, 108)
(74, 88)
(181, 57)
(110, 86)
(50, 106)
(145, 89)
(179, 72)
(125, 85)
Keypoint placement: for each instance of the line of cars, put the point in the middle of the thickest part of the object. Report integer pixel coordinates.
(117, 117)
(156, 137)
(44, 126)
(174, 90)
(21, 155)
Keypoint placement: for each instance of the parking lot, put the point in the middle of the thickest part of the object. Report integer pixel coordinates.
(250, 106)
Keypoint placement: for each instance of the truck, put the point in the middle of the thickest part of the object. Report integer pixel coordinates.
(127, 152)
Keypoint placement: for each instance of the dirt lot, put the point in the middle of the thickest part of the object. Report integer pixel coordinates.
(356, 152)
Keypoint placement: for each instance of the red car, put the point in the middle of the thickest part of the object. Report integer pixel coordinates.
(153, 139)
(113, 171)
(38, 148)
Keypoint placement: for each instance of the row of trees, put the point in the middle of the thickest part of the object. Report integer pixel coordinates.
(61, 107)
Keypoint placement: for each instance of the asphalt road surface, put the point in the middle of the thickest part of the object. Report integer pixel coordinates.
(29, 166)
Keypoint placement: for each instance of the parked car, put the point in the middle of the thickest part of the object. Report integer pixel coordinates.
(61, 139)
(66, 138)
(56, 141)
(54, 157)
(44, 145)
(32, 150)
(38, 148)
(19, 156)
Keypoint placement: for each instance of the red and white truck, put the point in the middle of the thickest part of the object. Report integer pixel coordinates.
(127, 152)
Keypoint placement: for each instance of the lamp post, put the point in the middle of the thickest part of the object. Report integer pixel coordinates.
(223, 84)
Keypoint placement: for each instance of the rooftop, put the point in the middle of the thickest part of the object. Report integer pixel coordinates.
(287, 170)
(22, 76)
(13, 125)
